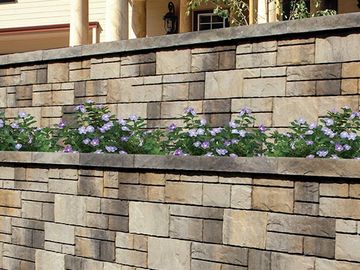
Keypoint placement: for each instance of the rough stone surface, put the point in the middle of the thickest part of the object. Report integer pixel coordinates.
(274, 199)
(345, 247)
(177, 61)
(49, 260)
(223, 84)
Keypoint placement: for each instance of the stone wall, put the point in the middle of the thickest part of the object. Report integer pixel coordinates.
(107, 212)
(277, 69)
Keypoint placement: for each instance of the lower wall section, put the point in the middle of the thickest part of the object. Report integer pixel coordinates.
(56, 217)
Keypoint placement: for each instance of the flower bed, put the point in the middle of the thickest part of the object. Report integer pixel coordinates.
(98, 131)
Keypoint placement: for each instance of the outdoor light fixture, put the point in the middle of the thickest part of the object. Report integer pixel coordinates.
(170, 20)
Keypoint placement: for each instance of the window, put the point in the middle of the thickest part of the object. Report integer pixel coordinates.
(206, 20)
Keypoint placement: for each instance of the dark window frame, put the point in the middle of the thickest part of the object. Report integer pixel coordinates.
(195, 18)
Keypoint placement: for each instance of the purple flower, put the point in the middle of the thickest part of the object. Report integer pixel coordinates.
(14, 125)
(322, 153)
(328, 132)
(344, 135)
(227, 143)
(86, 141)
(309, 132)
(262, 128)
(205, 145)
(122, 122)
(309, 142)
(310, 156)
(233, 155)
(62, 124)
(82, 130)
(89, 101)
(209, 154)
(190, 110)
(203, 122)
(122, 152)
(30, 139)
(313, 126)
(90, 129)
(22, 114)
(339, 147)
(80, 108)
(178, 152)
(124, 139)
(2, 123)
(221, 152)
(352, 136)
(133, 118)
(215, 131)
(232, 124)
(192, 132)
(95, 142)
(172, 127)
(111, 149)
(18, 146)
(242, 133)
(234, 141)
(125, 128)
(98, 151)
(300, 121)
(200, 131)
(334, 157)
(347, 147)
(68, 149)
(329, 122)
(105, 117)
(197, 144)
(244, 111)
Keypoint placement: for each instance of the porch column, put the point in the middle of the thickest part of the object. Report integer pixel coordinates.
(79, 22)
(273, 11)
(262, 11)
(251, 11)
(117, 20)
(139, 18)
(184, 20)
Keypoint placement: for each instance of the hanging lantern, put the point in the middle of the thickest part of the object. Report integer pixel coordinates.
(170, 20)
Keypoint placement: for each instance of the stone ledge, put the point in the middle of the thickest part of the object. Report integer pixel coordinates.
(281, 166)
(320, 24)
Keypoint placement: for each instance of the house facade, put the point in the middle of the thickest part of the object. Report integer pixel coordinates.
(27, 25)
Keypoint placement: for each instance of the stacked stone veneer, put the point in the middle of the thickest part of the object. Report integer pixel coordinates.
(276, 69)
(84, 212)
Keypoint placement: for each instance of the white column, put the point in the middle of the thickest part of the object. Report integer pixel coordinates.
(272, 11)
(262, 11)
(117, 20)
(79, 22)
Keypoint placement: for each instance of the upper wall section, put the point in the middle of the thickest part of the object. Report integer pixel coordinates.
(282, 71)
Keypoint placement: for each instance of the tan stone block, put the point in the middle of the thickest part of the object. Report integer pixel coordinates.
(173, 109)
(128, 109)
(79, 75)
(306, 208)
(124, 240)
(284, 242)
(204, 62)
(112, 266)
(131, 257)
(149, 218)
(196, 211)
(126, 177)
(244, 48)
(179, 91)
(346, 226)
(351, 70)
(241, 197)
(94, 88)
(10, 198)
(307, 191)
(263, 87)
(3, 97)
(142, 92)
(223, 84)
(245, 228)
(45, 260)
(28, 77)
(60, 233)
(267, 59)
(355, 191)
(296, 55)
(111, 179)
(286, 262)
(63, 97)
(255, 104)
(169, 254)
(93, 186)
(7, 173)
(349, 86)
(301, 88)
(97, 220)
(323, 264)
(235, 180)
(5, 225)
(314, 72)
(140, 242)
(133, 192)
(319, 247)
(337, 49)
(274, 199)
(58, 72)
(38, 175)
(346, 247)
(213, 231)
(216, 195)
(87, 247)
(114, 207)
(264, 46)
(186, 228)
(152, 178)
(203, 265)
(65, 212)
(184, 193)
(175, 61)
(334, 207)
(31, 210)
(105, 70)
(334, 190)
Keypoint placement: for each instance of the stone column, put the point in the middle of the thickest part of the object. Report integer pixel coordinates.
(262, 11)
(79, 22)
(139, 18)
(184, 20)
(272, 11)
(117, 20)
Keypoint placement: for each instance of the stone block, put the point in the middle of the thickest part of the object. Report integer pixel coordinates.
(196, 211)
(334, 190)
(213, 231)
(227, 60)
(31, 210)
(323, 264)
(5, 225)
(100, 221)
(319, 247)
(267, 59)
(140, 242)
(274, 199)
(107, 251)
(219, 105)
(264, 87)
(65, 212)
(241, 196)
(60, 233)
(58, 72)
(342, 208)
(131, 257)
(204, 62)
(133, 192)
(337, 49)
(21, 236)
(58, 185)
(351, 70)
(245, 228)
(179, 91)
(306, 208)
(156, 194)
(169, 254)
(273, 72)
(284, 242)
(305, 225)
(296, 54)
(259, 260)
(307, 191)
(176, 61)
(354, 191)
(314, 72)
(63, 97)
(203, 265)
(128, 178)
(28, 77)
(346, 226)
(186, 228)
(79, 75)
(264, 46)
(244, 48)
(105, 70)
(42, 98)
(149, 218)
(196, 90)
(124, 240)
(94, 88)
(86, 247)
(10, 198)
(45, 260)
(114, 207)
(93, 186)
(19, 252)
(152, 178)
(328, 87)
(346, 246)
(224, 84)
(301, 88)
(349, 86)
(216, 195)
(256, 104)
(285, 262)
(184, 193)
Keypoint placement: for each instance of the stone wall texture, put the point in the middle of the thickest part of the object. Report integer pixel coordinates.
(59, 212)
(282, 71)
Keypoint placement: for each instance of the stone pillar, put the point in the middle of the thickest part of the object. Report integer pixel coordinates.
(262, 11)
(272, 11)
(139, 18)
(184, 19)
(117, 20)
(79, 22)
